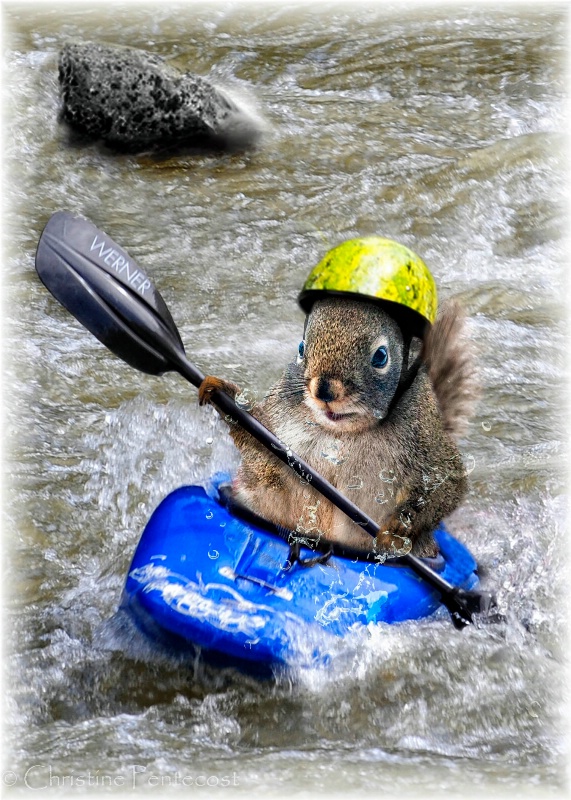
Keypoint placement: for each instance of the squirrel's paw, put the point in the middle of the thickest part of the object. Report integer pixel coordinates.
(393, 540)
(212, 384)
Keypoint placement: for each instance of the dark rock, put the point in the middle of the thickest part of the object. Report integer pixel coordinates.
(135, 101)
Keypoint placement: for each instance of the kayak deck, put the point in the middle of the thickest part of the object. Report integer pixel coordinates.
(201, 577)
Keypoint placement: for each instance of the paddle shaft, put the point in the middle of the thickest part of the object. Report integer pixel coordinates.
(306, 473)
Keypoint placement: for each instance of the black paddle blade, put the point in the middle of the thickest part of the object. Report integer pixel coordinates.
(101, 285)
(467, 607)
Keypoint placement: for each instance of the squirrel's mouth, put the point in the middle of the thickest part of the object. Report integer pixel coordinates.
(331, 415)
(342, 417)
(339, 420)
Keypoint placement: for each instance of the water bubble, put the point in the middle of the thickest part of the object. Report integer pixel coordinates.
(213, 554)
(246, 400)
(470, 464)
(487, 426)
(209, 514)
(405, 548)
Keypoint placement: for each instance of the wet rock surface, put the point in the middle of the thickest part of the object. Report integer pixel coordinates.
(135, 101)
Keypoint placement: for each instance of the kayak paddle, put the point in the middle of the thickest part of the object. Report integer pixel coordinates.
(102, 286)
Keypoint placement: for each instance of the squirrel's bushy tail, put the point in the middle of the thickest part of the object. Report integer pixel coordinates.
(449, 357)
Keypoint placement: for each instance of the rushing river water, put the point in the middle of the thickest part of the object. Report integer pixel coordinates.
(438, 126)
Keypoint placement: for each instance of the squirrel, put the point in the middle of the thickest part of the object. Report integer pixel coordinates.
(376, 411)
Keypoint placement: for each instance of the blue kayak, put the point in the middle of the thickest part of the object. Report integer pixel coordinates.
(205, 580)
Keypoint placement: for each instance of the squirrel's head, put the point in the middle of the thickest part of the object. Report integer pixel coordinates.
(351, 357)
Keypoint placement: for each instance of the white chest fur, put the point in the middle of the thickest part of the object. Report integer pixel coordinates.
(359, 465)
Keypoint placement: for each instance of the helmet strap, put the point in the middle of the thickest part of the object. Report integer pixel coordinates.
(407, 375)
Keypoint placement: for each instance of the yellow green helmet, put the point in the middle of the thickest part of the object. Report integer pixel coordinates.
(377, 270)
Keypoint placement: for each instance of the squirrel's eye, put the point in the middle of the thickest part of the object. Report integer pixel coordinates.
(380, 357)
(301, 351)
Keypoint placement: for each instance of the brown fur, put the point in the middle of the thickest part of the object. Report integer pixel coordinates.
(449, 358)
(404, 471)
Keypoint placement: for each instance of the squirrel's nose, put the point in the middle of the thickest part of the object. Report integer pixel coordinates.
(326, 389)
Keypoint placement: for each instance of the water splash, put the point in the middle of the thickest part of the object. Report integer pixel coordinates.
(382, 553)
(405, 520)
(332, 452)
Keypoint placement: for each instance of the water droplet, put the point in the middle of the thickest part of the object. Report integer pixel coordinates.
(229, 419)
(387, 476)
(470, 464)
(209, 514)
(487, 426)
(331, 453)
(209, 440)
(356, 482)
(404, 549)
(408, 288)
(246, 400)
(377, 413)
(213, 554)
(222, 524)
(380, 499)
